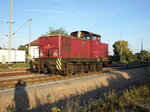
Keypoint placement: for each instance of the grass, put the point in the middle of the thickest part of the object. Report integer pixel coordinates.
(135, 99)
(15, 65)
(3, 66)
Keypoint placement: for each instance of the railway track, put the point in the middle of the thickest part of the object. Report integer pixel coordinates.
(8, 74)
(128, 66)
(29, 80)
(13, 70)
(35, 78)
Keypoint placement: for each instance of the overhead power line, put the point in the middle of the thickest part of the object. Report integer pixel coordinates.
(21, 26)
(3, 33)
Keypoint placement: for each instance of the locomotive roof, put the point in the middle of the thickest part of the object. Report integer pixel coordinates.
(52, 35)
(88, 32)
(36, 42)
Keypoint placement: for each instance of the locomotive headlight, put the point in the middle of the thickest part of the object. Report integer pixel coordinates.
(55, 52)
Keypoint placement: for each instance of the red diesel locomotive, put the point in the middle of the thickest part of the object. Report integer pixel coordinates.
(82, 51)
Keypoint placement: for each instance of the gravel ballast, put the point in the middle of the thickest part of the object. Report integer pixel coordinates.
(95, 86)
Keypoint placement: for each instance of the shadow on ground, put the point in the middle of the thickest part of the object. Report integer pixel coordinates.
(117, 83)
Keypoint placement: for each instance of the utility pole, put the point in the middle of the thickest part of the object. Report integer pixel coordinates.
(148, 55)
(10, 35)
(121, 46)
(142, 48)
(30, 20)
(141, 44)
(10, 32)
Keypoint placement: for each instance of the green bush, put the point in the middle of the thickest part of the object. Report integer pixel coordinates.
(3, 66)
(124, 62)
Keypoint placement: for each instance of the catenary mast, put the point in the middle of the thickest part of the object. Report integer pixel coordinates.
(10, 32)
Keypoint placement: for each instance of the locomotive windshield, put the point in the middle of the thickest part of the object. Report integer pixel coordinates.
(94, 37)
(81, 34)
(85, 35)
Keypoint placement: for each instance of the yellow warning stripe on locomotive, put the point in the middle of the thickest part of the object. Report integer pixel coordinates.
(58, 63)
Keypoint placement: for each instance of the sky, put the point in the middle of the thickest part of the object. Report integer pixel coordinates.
(105, 17)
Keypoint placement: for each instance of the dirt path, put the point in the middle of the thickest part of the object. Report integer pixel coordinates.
(90, 87)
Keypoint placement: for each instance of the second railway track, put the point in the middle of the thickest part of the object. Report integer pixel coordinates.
(34, 79)
(9, 74)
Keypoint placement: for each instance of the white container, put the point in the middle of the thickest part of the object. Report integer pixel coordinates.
(16, 56)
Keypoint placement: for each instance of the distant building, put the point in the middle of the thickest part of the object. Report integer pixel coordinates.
(34, 49)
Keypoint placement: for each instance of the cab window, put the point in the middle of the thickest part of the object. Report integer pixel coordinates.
(86, 36)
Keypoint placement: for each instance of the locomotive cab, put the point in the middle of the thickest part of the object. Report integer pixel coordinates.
(86, 35)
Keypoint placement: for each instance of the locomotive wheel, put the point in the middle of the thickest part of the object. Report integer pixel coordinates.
(86, 68)
(92, 69)
(45, 70)
(70, 70)
(80, 69)
(56, 72)
(98, 67)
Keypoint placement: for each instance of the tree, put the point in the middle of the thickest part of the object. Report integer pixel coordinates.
(0, 48)
(136, 57)
(57, 31)
(126, 53)
(143, 55)
(22, 47)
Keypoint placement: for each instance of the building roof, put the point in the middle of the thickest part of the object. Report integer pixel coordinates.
(33, 43)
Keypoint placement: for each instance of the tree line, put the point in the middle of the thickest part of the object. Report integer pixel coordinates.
(121, 50)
